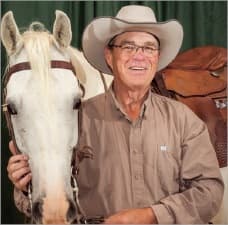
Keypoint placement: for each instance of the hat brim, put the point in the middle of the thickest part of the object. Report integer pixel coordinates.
(98, 33)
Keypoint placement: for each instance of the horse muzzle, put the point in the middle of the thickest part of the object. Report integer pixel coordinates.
(54, 211)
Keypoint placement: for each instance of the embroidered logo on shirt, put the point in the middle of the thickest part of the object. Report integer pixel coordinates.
(163, 148)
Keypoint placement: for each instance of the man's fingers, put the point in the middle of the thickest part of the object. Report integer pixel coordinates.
(18, 168)
(23, 182)
(16, 158)
(12, 148)
(18, 165)
(19, 174)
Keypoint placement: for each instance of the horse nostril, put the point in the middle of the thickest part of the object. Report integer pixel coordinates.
(37, 211)
(72, 211)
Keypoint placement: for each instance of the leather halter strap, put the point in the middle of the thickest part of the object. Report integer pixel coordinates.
(55, 64)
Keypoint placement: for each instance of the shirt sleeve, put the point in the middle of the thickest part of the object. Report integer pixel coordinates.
(201, 185)
(22, 202)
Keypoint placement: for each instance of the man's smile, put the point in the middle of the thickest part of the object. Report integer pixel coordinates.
(138, 68)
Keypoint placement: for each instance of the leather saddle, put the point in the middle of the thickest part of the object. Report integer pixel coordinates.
(198, 78)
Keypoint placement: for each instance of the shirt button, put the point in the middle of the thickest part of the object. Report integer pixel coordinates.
(135, 151)
(138, 177)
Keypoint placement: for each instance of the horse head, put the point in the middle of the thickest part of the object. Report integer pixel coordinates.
(42, 96)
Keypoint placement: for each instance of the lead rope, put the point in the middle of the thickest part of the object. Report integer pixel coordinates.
(30, 196)
(75, 170)
(81, 216)
(76, 199)
(30, 199)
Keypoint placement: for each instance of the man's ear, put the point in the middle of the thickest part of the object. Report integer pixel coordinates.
(108, 57)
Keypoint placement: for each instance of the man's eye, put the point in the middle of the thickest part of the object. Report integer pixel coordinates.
(128, 47)
(149, 49)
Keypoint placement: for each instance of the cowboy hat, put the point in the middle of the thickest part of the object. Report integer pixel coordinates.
(101, 30)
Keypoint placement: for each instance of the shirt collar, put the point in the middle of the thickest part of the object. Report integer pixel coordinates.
(117, 106)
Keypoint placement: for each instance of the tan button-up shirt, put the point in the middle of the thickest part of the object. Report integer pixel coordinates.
(164, 160)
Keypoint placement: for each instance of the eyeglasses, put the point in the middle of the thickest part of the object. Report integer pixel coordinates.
(132, 48)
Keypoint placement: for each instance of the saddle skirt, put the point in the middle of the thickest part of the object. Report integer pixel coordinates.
(198, 78)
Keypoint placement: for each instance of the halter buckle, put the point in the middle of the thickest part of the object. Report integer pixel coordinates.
(4, 107)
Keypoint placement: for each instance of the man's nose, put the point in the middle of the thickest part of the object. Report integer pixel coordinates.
(139, 53)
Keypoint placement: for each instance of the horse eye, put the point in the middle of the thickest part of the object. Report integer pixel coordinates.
(77, 103)
(12, 109)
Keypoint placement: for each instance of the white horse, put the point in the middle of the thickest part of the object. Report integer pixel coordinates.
(43, 102)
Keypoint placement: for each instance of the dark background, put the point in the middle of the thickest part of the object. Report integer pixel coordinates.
(205, 23)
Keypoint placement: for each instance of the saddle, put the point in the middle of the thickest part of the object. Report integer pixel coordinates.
(198, 78)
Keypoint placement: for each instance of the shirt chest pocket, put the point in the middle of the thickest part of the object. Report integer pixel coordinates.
(168, 168)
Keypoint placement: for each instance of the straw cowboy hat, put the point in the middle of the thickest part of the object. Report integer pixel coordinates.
(101, 30)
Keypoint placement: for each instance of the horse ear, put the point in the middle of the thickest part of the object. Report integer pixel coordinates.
(10, 34)
(62, 29)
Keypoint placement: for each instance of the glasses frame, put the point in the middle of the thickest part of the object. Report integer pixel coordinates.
(135, 48)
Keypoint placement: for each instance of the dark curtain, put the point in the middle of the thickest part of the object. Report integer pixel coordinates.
(204, 22)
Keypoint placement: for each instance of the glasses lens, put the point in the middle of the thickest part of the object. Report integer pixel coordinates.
(131, 48)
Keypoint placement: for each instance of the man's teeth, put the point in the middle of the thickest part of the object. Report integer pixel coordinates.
(137, 68)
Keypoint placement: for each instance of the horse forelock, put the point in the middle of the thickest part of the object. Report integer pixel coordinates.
(37, 46)
(40, 47)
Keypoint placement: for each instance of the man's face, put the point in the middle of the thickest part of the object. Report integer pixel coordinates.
(133, 67)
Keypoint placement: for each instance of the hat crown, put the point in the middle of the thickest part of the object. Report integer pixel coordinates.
(136, 14)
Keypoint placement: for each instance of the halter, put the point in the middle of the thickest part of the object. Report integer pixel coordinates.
(20, 67)
(74, 168)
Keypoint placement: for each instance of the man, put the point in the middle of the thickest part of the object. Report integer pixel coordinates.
(153, 161)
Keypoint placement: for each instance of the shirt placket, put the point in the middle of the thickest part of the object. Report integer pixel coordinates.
(136, 160)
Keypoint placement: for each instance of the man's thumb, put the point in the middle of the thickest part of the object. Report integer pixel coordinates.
(12, 148)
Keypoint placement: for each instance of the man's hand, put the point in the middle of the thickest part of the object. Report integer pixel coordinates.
(133, 216)
(18, 169)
